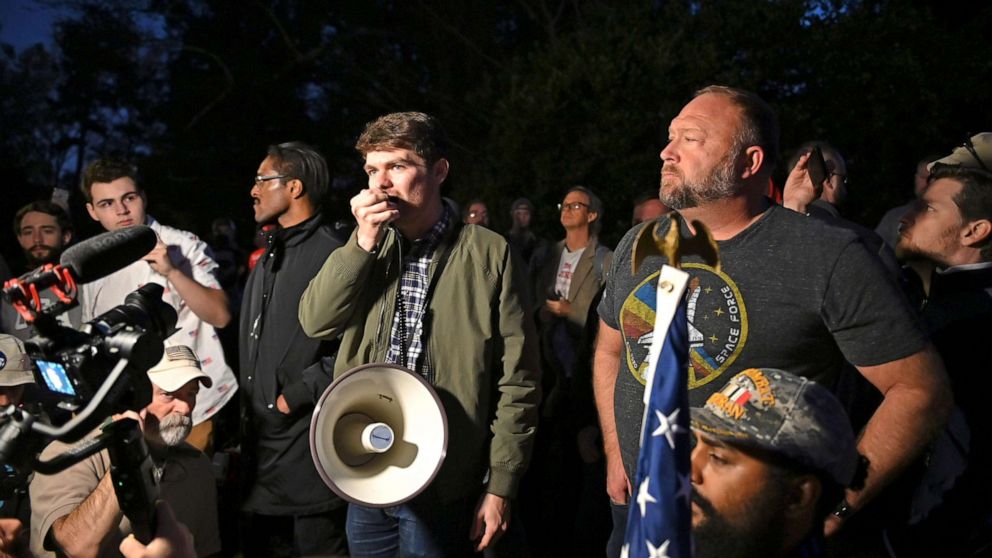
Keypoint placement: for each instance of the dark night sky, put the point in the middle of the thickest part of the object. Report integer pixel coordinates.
(25, 22)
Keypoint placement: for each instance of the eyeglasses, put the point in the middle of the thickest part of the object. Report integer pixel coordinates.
(843, 177)
(259, 179)
(971, 149)
(574, 206)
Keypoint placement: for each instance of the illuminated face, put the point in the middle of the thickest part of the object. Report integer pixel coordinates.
(41, 238)
(412, 184)
(699, 162)
(576, 211)
(270, 196)
(931, 229)
(117, 204)
(168, 418)
(737, 506)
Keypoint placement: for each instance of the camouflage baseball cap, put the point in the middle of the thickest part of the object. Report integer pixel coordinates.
(784, 414)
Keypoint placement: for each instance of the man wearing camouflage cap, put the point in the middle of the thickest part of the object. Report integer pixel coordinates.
(773, 454)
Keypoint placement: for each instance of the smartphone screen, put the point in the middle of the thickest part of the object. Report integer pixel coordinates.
(816, 167)
(56, 378)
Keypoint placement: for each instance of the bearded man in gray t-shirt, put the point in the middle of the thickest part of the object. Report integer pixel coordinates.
(792, 293)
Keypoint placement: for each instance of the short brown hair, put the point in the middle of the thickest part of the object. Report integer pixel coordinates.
(974, 201)
(759, 124)
(416, 131)
(105, 170)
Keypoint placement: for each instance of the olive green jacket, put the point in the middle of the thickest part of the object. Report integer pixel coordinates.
(480, 347)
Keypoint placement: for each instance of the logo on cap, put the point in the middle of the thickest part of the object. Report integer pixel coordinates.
(750, 386)
(179, 352)
(3, 360)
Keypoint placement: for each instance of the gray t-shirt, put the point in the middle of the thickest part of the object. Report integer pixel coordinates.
(793, 293)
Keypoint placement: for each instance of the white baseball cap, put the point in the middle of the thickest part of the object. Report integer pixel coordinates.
(178, 366)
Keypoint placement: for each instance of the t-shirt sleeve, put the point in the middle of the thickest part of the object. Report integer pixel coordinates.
(55, 496)
(869, 317)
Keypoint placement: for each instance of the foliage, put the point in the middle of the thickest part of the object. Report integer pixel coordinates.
(537, 95)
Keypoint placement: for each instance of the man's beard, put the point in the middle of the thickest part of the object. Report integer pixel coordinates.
(51, 255)
(174, 428)
(907, 250)
(720, 184)
(760, 534)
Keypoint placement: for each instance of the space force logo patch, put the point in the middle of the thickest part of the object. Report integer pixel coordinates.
(717, 324)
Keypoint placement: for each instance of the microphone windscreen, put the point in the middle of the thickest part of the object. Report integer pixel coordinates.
(106, 253)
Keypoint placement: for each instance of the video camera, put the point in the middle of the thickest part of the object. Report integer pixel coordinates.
(94, 372)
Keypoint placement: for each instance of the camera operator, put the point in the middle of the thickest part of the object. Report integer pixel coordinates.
(15, 374)
(76, 510)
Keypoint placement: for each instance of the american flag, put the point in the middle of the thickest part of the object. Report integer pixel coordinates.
(659, 521)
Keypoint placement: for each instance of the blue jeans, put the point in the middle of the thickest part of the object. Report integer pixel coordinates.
(421, 527)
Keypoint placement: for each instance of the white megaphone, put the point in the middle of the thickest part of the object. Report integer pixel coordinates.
(378, 435)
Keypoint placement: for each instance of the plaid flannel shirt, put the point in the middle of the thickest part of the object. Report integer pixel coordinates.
(414, 283)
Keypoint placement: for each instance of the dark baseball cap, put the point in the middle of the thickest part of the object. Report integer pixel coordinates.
(784, 414)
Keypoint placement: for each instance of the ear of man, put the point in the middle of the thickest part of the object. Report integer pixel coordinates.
(976, 232)
(754, 158)
(296, 189)
(440, 170)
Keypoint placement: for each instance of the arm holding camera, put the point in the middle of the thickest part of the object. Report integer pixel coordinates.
(70, 511)
(81, 532)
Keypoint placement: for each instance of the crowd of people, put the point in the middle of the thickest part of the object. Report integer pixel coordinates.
(834, 376)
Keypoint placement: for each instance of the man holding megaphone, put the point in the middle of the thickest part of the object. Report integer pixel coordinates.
(415, 287)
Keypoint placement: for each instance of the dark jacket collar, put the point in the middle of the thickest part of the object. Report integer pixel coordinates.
(298, 233)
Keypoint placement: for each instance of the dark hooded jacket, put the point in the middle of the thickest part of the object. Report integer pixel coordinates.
(278, 358)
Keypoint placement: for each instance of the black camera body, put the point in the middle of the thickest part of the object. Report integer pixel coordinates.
(88, 375)
(72, 365)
